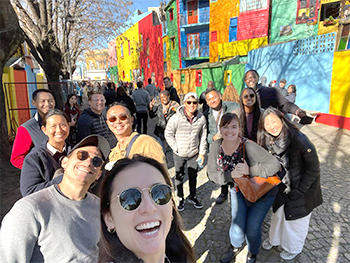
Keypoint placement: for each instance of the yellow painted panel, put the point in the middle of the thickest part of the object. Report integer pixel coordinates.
(11, 95)
(327, 29)
(242, 47)
(340, 86)
(220, 14)
(129, 60)
(6, 78)
(40, 78)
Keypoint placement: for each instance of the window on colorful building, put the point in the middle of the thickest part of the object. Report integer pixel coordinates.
(199, 78)
(232, 35)
(147, 46)
(213, 1)
(129, 47)
(192, 11)
(141, 42)
(121, 50)
(171, 14)
(330, 9)
(172, 39)
(165, 67)
(307, 11)
(148, 63)
(247, 5)
(213, 36)
(164, 49)
(183, 79)
(172, 77)
(193, 45)
(344, 41)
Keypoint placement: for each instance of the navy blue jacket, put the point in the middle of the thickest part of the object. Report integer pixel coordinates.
(38, 170)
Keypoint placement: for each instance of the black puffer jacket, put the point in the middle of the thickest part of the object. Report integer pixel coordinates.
(304, 172)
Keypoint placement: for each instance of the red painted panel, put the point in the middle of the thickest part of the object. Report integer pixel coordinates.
(155, 55)
(253, 24)
(22, 96)
(333, 120)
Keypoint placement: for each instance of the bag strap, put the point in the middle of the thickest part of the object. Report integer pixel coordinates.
(133, 139)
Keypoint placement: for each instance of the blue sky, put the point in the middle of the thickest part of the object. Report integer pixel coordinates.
(144, 4)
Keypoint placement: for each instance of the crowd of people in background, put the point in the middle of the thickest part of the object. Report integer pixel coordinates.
(68, 156)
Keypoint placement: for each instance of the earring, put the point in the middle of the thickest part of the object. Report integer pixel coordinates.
(111, 230)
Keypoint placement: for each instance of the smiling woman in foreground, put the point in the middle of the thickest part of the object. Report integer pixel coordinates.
(139, 219)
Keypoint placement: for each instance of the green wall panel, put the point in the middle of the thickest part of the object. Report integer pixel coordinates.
(284, 13)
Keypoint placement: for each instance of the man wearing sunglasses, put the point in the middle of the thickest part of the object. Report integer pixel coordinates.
(60, 223)
(186, 134)
(217, 108)
(119, 121)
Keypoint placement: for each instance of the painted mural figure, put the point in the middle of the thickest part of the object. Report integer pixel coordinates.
(217, 108)
(29, 134)
(300, 191)
(186, 134)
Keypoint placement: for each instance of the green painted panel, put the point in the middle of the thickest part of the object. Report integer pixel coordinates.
(217, 75)
(284, 13)
(173, 31)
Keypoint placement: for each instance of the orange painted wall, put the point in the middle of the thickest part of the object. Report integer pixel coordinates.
(22, 96)
(220, 14)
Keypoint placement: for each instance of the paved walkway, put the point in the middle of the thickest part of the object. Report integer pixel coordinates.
(329, 232)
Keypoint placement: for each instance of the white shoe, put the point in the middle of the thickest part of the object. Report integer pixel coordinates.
(288, 256)
(266, 244)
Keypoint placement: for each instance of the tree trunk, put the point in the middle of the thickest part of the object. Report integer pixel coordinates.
(9, 42)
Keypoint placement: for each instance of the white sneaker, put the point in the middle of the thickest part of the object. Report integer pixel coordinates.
(288, 256)
(266, 244)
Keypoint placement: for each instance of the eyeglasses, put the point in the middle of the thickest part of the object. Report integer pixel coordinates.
(194, 102)
(97, 100)
(121, 117)
(130, 199)
(250, 95)
(83, 155)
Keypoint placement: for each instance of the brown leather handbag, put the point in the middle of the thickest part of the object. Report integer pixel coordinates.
(255, 187)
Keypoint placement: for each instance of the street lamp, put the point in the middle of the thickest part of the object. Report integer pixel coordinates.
(67, 19)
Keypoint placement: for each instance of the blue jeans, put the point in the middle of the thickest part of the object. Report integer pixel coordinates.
(247, 220)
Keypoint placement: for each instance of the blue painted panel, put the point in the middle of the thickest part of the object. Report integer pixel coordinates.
(311, 73)
(30, 87)
(233, 29)
(204, 11)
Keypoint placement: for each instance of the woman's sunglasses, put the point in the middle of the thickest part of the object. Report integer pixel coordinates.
(121, 117)
(83, 155)
(130, 199)
(247, 96)
(192, 102)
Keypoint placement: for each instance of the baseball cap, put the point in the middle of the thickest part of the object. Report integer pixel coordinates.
(95, 140)
(191, 94)
(283, 80)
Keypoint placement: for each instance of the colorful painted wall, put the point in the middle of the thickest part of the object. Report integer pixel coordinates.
(173, 33)
(306, 63)
(151, 53)
(128, 46)
(322, 28)
(194, 32)
(221, 12)
(340, 85)
(284, 25)
(112, 54)
(222, 76)
(253, 20)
